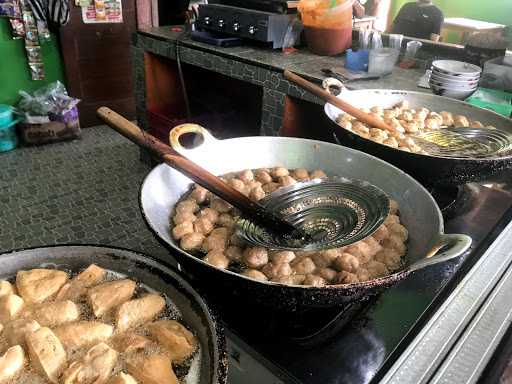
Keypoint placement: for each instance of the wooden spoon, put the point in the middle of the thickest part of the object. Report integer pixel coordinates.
(249, 208)
(341, 104)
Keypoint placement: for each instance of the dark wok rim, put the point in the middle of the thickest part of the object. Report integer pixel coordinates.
(463, 159)
(210, 313)
(396, 276)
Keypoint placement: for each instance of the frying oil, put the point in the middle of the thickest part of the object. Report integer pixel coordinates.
(187, 372)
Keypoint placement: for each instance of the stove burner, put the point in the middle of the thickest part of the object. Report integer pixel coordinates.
(454, 200)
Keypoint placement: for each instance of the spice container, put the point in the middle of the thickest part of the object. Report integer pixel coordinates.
(382, 61)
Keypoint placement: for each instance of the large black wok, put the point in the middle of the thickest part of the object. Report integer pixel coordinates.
(164, 186)
(209, 365)
(430, 170)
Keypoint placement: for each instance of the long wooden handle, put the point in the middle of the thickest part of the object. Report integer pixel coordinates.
(201, 176)
(343, 105)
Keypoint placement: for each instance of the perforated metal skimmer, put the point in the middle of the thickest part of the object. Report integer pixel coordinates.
(466, 142)
(334, 212)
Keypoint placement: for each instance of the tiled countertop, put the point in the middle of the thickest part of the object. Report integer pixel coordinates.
(79, 192)
(301, 61)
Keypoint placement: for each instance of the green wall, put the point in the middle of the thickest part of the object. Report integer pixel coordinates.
(493, 11)
(14, 71)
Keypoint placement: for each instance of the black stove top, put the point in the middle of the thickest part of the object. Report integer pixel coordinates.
(359, 343)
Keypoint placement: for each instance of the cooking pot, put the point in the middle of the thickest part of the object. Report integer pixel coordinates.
(430, 170)
(164, 186)
(209, 365)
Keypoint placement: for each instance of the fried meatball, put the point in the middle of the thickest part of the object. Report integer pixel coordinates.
(381, 233)
(390, 257)
(180, 218)
(377, 110)
(210, 214)
(318, 174)
(328, 274)
(394, 242)
(376, 269)
(476, 124)
(255, 274)
(270, 187)
(410, 126)
(391, 219)
(279, 172)
(362, 275)
(344, 277)
(236, 240)
(262, 176)
(447, 118)
(238, 184)
(203, 225)
(314, 280)
(303, 266)
(290, 280)
(217, 259)
(200, 194)
(282, 257)
(189, 206)
(234, 253)
(346, 262)
(373, 244)
(246, 176)
(406, 116)
(301, 174)
(286, 181)
(391, 142)
(272, 270)
(325, 258)
(226, 220)
(257, 193)
(255, 257)
(402, 105)
(253, 184)
(217, 239)
(460, 121)
(361, 250)
(192, 241)
(399, 230)
(220, 205)
(182, 229)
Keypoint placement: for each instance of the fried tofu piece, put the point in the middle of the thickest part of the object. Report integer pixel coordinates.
(11, 307)
(175, 338)
(94, 368)
(54, 314)
(154, 369)
(38, 285)
(139, 311)
(107, 296)
(16, 331)
(78, 285)
(130, 342)
(11, 363)
(122, 378)
(47, 355)
(6, 288)
(83, 333)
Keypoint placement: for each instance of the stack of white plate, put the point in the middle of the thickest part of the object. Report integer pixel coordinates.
(454, 79)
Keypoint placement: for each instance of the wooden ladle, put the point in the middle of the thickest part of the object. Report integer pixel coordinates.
(364, 117)
(249, 208)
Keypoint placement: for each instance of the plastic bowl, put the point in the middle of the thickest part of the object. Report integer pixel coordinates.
(5, 115)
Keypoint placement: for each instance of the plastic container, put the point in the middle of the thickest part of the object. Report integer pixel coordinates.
(327, 25)
(8, 138)
(382, 61)
(357, 60)
(5, 114)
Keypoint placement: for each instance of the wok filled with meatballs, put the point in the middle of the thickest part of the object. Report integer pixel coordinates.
(200, 229)
(123, 320)
(205, 225)
(412, 113)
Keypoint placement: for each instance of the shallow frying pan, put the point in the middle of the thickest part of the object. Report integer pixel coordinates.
(164, 186)
(430, 170)
(210, 365)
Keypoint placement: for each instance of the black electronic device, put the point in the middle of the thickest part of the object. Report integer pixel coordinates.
(215, 39)
(247, 23)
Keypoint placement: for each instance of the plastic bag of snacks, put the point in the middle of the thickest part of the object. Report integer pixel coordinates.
(49, 115)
